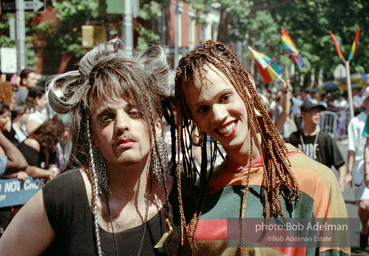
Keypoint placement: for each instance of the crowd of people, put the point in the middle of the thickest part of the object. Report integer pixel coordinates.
(336, 102)
(34, 134)
(304, 132)
(97, 135)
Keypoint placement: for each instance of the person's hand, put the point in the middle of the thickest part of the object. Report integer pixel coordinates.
(21, 176)
(342, 184)
(287, 89)
(287, 85)
(53, 173)
(348, 179)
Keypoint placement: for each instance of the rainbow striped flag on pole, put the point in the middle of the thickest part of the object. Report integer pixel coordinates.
(269, 70)
(337, 45)
(289, 47)
(355, 44)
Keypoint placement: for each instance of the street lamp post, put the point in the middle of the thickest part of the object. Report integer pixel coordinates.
(128, 26)
(21, 34)
(176, 31)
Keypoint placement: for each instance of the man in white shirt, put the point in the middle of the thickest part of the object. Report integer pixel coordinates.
(355, 167)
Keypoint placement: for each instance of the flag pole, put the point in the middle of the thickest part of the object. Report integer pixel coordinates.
(275, 73)
(347, 64)
(349, 90)
(287, 77)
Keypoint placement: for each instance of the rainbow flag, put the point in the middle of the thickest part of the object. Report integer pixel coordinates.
(289, 47)
(337, 45)
(355, 44)
(265, 66)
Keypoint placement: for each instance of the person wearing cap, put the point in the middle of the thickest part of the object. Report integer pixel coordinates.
(316, 144)
(357, 166)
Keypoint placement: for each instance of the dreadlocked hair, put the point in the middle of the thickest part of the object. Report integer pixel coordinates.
(108, 73)
(278, 177)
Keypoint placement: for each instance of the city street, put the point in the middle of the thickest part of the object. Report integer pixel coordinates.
(349, 196)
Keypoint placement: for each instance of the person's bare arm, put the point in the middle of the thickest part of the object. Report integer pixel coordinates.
(350, 165)
(286, 106)
(29, 233)
(341, 177)
(21, 176)
(366, 162)
(16, 161)
(37, 172)
(31, 126)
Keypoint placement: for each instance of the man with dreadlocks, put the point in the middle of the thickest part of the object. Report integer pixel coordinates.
(115, 199)
(261, 176)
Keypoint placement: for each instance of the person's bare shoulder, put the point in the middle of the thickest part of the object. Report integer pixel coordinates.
(33, 144)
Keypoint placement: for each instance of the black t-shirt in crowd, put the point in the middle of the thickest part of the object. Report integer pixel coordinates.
(34, 157)
(320, 147)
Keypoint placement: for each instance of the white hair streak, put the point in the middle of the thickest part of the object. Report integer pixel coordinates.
(57, 91)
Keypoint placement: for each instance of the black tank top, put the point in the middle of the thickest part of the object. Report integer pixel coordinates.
(71, 218)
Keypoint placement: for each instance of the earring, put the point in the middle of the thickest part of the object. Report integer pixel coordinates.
(102, 176)
(157, 155)
(197, 136)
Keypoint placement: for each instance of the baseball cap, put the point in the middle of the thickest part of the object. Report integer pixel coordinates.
(366, 93)
(307, 105)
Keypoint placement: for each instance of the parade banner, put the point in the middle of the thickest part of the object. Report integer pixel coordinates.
(15, 192)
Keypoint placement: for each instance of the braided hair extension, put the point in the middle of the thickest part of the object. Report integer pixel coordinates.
(168, 107)
(172, 244)
(107, 73)
(95, 190)
(278, 177)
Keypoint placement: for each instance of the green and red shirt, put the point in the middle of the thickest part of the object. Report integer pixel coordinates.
(320, 198)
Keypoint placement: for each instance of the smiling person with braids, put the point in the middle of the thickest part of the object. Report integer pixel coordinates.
(261, 176)
(116, 197)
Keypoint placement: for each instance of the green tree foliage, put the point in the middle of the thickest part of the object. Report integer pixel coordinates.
(150, 11)
(258, 24)
(5, 40)
(60, 40)
(309, 22)
(57, 40)
(71, 15)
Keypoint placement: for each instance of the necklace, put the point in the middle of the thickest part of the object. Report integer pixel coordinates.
(304, 146)
(145, 224)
